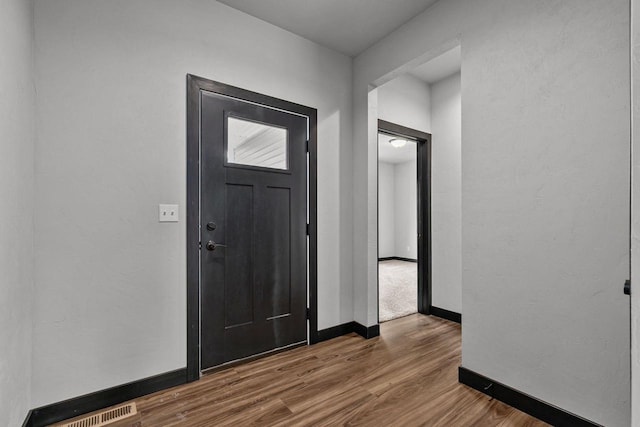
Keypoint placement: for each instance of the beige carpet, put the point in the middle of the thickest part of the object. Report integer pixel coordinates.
(398, 289)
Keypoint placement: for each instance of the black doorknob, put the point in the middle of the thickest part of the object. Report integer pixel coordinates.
(211, 245)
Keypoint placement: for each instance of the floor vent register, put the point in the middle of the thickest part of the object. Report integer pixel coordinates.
(105, 417)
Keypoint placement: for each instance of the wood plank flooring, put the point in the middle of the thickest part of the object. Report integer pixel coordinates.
(405, 377)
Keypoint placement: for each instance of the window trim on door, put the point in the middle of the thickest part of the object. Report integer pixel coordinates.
(195, 85)
(227, 163)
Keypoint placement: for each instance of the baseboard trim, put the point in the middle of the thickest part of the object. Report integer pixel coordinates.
(70, 408)
(335, 331)
(398, 258)
(366, 331)
(522, 401)
(28, 422)
(347, 328)
(445, 314)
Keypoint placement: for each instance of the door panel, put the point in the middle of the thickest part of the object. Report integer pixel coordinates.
(253, 187)
(238, 266)
(276, 240)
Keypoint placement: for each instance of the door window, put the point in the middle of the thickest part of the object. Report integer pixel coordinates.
(256, 144)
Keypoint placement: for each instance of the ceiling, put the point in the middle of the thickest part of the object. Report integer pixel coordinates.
(347, 26)
(440, 67)
(389, 154)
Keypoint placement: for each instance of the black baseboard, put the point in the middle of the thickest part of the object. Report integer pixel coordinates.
(519, 400)
(71, 408)
(347, 328)
(445, 314)
(366, 331)
(399, 258)
(335, 331)
(28, 422)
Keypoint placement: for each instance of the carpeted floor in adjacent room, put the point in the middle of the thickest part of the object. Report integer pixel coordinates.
(398, 289)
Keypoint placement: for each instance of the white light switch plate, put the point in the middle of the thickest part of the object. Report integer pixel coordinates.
(168, 213)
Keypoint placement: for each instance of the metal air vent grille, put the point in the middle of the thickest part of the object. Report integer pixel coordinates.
(105, 417)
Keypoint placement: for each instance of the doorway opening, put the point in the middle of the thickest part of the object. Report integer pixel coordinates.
(423, 213)
(251, 225)
(404, 244)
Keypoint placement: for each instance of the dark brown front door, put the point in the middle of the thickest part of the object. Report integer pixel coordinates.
(253, 229)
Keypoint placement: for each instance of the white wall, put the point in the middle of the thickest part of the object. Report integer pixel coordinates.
(110, 302)
(405, 100)
(545, 188)
(446, 194)
(16, 213)
(386, 209)
(398, 209)
(635, 213)
(435, 109)
(406, 209)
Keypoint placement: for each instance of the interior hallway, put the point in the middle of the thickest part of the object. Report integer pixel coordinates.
(407, 376)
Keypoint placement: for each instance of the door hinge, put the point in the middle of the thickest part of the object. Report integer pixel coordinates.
(199, 245)
(308, 313)
(307, 145)
(308, 230)
(627, 287)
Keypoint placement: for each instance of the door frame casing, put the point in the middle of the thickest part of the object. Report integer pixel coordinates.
(423, 142)
(195, 85)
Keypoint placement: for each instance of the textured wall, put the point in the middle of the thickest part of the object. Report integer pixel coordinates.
(16, 213)
(405, 100)
(545, 191)
(406, 209)
(635, 213)
(110, 303)
(386, 209)
(435, 109)
(446, 194)
(397, 209)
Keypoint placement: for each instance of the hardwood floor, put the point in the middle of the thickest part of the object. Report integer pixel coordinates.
(405, 377)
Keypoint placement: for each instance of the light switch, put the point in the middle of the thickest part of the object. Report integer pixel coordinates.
(168, 213)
